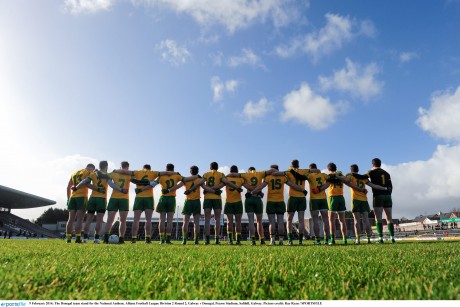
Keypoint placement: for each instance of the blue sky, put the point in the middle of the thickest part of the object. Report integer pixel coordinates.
(237, 82)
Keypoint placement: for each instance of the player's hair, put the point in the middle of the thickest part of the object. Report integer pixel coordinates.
(313, 166)
(233, 169)
(251, 168)
(376, 162)
(332, 167)
(170, 167)
(194, 170)
(214, 166)
(354, 168)
(124, 164)
(90, 165)
(147, 167)
(103, 164)
(275, 166)
(295, 163)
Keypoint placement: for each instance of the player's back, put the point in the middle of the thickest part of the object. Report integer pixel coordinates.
(315, 180)
(301, 183)
(232, 194)
(99, 183)
(78, 177)
(195, 194)
(380, 177)
(275, 187)
(335, 189)
(121, 180)
(360, 183)
(145, 175)
(168, 181)
(254, 178)
(213, 178)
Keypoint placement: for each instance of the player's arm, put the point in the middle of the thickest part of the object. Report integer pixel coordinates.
(377, 187)
(115, 187)
(361, 177)
(296, 187)
(171, 189)
(297, 175)
(207, 189)
(69, 188)
(259, 188)
(191, 178)
(84, 182)
(248, 187)
(233, 175)
(231, 184)
(321, 188)
(123, 171)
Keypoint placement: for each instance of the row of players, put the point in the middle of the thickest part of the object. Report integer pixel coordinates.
(327, 206)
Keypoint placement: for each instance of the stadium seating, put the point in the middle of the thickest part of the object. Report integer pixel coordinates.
(21, 227)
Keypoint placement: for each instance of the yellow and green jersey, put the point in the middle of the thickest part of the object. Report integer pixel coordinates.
(213, 178)
(168, 181)
(315, 180)
(335, 189)
(195, 194)
(254, 178)
(360, 183)
(301, 183)
(275, 187)
(233, 195)
(145, 175)
(76, 178)
(99, 183)
(123, 181)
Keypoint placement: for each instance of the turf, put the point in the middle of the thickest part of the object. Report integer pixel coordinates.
(51, 269)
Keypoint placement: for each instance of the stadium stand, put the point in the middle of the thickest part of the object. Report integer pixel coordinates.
(10, 223)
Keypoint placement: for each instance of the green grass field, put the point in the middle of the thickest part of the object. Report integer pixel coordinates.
(51, 269)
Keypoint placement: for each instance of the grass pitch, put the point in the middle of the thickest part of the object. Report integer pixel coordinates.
(51, 269)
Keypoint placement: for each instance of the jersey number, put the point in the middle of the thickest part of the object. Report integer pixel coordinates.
(211, 181)
(169, 183)
(254, 181)
(122, 183)
(276, 184)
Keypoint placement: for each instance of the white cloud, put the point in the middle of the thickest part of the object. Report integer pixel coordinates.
(233, 14)
(358, 81)
(405, 57)
(308, 108)
(337, 31)
(88, 6)
(219, 87)
(427, 186)
(247, 57)
(173, 53)
(255, 110)
(442, 118)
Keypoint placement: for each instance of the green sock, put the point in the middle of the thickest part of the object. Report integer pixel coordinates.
(332, 237)
(96, 236)
(229, 236)
(85, 236)
(184, 236)
(106, 237)
(379, 227)
(208, 238)
(289, 237)
(78, 237)
(391, 229)
(195, 236)
(238, 235)
(253, 239)
(69, 237)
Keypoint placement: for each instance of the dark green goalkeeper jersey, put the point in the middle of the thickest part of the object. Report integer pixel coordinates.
(382, 178)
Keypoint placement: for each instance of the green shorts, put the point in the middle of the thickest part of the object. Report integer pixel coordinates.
(383, 201)
(254, 205)
(97, 204)
(192, 207)
(234, 208)
(143, 203)
(118, 204)
(337, 203)
(318, 204)
(276, 207)
(166, 204)
(212, 204)
(360, 206)
(77, 203)
(296, 204)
